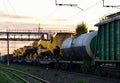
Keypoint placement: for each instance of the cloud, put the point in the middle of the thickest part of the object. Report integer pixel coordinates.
(61, 19)
(14, 16)
(17, 25)
(5, 15)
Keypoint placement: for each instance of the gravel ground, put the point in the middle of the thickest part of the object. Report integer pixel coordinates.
(57, 76)
(63, 77)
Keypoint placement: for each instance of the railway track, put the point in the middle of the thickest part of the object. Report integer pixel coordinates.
(17, 76)
(60, 76)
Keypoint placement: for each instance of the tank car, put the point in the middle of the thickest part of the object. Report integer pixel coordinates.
(80, 47)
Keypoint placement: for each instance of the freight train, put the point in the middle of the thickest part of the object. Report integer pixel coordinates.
(97, 51)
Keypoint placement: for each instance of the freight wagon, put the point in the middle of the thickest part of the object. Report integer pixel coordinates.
(97, 51)
(108, 40)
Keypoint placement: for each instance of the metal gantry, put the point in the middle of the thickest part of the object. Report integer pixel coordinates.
(21, 36)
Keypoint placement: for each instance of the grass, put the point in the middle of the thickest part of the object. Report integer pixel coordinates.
(15, 78)
(56, 74)
(50, 75)
(4, 74)
(80, 81)
(4, 79)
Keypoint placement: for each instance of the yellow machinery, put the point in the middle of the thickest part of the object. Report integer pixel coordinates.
(46, 47)
(18, 52)
(42, 49)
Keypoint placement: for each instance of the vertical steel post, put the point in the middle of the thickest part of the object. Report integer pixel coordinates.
(103, 4)
(8, 63)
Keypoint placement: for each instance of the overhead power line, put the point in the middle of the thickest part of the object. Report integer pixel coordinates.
(72, 5)
(11, 6)
(54, 11)
(93, 5)
(113, 6)
(88, 8)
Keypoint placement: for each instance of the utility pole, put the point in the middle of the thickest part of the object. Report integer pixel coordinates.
(39, 27)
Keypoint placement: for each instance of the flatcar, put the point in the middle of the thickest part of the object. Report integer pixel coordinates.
(43, 52)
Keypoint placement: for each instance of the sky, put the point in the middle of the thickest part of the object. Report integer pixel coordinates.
(28, 14)
(46, 12)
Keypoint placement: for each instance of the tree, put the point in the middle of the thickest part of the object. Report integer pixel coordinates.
(81, 28)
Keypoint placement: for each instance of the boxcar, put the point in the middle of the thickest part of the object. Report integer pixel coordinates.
(108, 40)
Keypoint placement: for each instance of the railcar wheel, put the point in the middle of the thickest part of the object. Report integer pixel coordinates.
(85, 68)
(56, 66)
(100, 71)
(64, 66)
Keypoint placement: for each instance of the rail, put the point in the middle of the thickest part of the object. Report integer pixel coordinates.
(11, 70)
